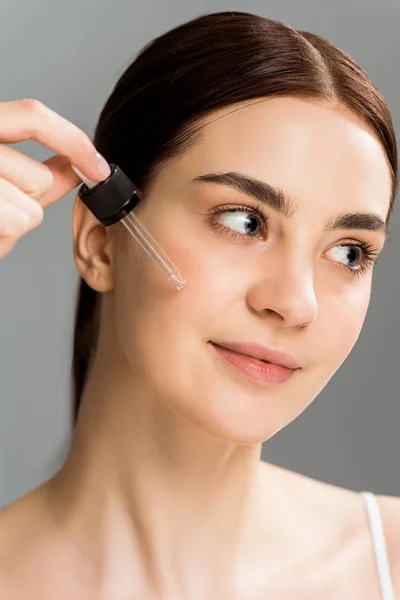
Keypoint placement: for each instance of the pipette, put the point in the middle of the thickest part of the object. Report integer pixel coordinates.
(112, 200)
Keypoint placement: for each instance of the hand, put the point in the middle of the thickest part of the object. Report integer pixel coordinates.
(28, 186)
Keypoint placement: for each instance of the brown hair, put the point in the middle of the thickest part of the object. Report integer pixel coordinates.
(205, 64)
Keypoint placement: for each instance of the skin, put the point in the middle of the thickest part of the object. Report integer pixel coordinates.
(163, 493)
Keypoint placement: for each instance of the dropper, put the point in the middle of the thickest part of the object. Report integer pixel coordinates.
(111, 201)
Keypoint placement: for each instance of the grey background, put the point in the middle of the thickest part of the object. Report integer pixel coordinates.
(69, 55)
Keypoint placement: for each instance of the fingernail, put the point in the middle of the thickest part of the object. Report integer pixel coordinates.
(102, 165)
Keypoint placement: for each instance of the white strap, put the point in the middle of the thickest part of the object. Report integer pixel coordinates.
(378, 539)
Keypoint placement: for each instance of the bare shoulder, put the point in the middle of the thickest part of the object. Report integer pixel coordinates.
(341, 516)
(390, 512)
(31, 545)
(21, 523)
(14, 515)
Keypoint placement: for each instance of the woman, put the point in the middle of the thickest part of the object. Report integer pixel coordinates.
(267, 162)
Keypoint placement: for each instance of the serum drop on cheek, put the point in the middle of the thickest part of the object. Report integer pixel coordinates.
(113, 200)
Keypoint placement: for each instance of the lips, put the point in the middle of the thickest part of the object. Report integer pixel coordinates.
(267, 354)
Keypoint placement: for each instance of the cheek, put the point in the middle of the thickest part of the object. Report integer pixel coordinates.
(150, 315)
(344, 320)
(163, 332)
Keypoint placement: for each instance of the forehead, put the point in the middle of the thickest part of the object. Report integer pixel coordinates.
(313, 151)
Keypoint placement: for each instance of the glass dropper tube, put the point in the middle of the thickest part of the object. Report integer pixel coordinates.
(153, 250)
(143, 237)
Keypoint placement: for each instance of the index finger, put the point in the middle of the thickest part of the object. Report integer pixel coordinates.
(28, 118)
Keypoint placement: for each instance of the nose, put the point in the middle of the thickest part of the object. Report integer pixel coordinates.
(285, 288)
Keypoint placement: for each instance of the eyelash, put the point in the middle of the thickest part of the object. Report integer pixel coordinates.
(367, 249)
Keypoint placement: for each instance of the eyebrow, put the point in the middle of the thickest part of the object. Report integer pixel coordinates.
(275, 198)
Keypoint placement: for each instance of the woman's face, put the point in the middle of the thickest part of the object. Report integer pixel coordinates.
(285, 280)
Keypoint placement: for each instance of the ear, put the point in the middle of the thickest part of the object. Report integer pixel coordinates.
(92, 248)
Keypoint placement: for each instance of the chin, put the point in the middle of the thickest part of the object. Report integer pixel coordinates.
(231, 416)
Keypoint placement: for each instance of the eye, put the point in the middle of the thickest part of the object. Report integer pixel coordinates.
(361, 257)
(239, 221)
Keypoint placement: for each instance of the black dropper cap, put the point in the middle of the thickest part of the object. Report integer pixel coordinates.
(112, 199)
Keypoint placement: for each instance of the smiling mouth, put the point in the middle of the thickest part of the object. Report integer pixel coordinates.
(261, 353)
(259, 371)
